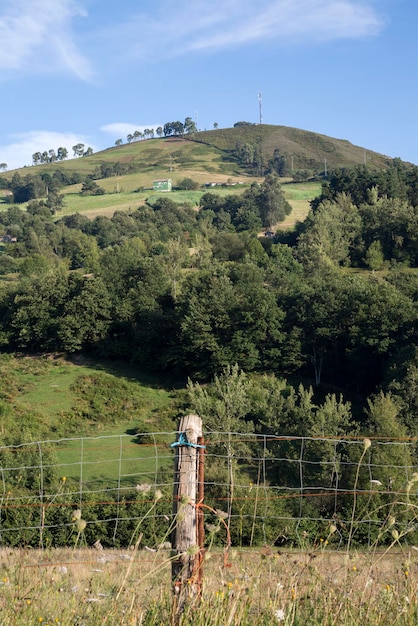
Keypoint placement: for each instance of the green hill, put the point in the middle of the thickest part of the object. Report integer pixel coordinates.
(211, 154)
(308, 149)
(234, 157)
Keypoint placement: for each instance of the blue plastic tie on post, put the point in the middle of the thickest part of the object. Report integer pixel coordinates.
(183, 441)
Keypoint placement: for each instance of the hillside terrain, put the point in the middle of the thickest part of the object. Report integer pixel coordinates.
(213, 155)
(308, 149)
(274, 303)
(228, 159)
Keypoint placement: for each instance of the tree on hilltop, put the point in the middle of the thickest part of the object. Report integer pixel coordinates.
(78, 149)
(62, 153)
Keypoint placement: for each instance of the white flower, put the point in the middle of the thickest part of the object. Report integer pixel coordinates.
(144, 488)
(279, 614)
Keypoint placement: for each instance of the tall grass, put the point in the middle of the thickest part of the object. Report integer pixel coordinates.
(92, 587)
(316, 586)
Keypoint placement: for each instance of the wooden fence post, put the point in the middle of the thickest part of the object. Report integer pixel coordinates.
(186, 551)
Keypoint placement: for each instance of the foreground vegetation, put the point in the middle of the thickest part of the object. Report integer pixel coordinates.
(274, 587)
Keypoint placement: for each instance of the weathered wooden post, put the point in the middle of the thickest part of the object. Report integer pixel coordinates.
(185, 540)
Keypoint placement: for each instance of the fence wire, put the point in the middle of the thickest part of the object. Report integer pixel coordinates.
(272, 490)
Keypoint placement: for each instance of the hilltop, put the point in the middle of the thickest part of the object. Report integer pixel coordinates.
(221, 152)
(308, 149)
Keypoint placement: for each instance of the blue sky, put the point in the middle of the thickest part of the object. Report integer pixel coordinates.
(92, 71)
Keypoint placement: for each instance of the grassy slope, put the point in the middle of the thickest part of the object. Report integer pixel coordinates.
(208, 156)
(301, 144)
(102, 400)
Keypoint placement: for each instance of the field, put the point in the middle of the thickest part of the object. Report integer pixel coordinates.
(102, 401)
(297, 194)
(240, 588)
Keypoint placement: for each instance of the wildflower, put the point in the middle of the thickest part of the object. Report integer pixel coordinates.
(64, 479)
(143, 488)
(414, 479)
(395, 534)
(221, 514)
(279, 614)
(366, 443)
(332, 529)
(76, 515)
(158, 495)
(212, 528)
(406, 573)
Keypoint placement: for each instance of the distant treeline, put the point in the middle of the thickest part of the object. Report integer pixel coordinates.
(33, 186)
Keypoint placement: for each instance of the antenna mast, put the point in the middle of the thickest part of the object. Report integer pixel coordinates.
(260, 103)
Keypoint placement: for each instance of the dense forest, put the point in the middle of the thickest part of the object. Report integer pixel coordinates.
(191, 292)
(322, 319)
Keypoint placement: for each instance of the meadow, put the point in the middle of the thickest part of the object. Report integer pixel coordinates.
(130, 197)
(319, 587)
(101, 401)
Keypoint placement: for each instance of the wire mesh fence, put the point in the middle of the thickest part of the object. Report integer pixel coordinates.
(267, 489)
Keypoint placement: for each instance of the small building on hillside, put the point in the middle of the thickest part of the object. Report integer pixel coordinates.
(162, 185)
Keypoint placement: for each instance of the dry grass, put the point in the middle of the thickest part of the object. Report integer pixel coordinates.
(88, 586)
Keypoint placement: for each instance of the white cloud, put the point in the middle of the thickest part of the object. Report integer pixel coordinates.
(42, 36)
(120, 130)
(36, 36)
(183, 26)
(22, 146)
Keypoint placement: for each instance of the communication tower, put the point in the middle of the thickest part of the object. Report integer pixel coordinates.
(260, 105)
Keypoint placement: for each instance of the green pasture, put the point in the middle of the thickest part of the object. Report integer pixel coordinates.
(53, 386)
(299, 196)
(155, 158)
(96, 408)
(301, 191)
(98, 205)
(112, 201)
(114, 459)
